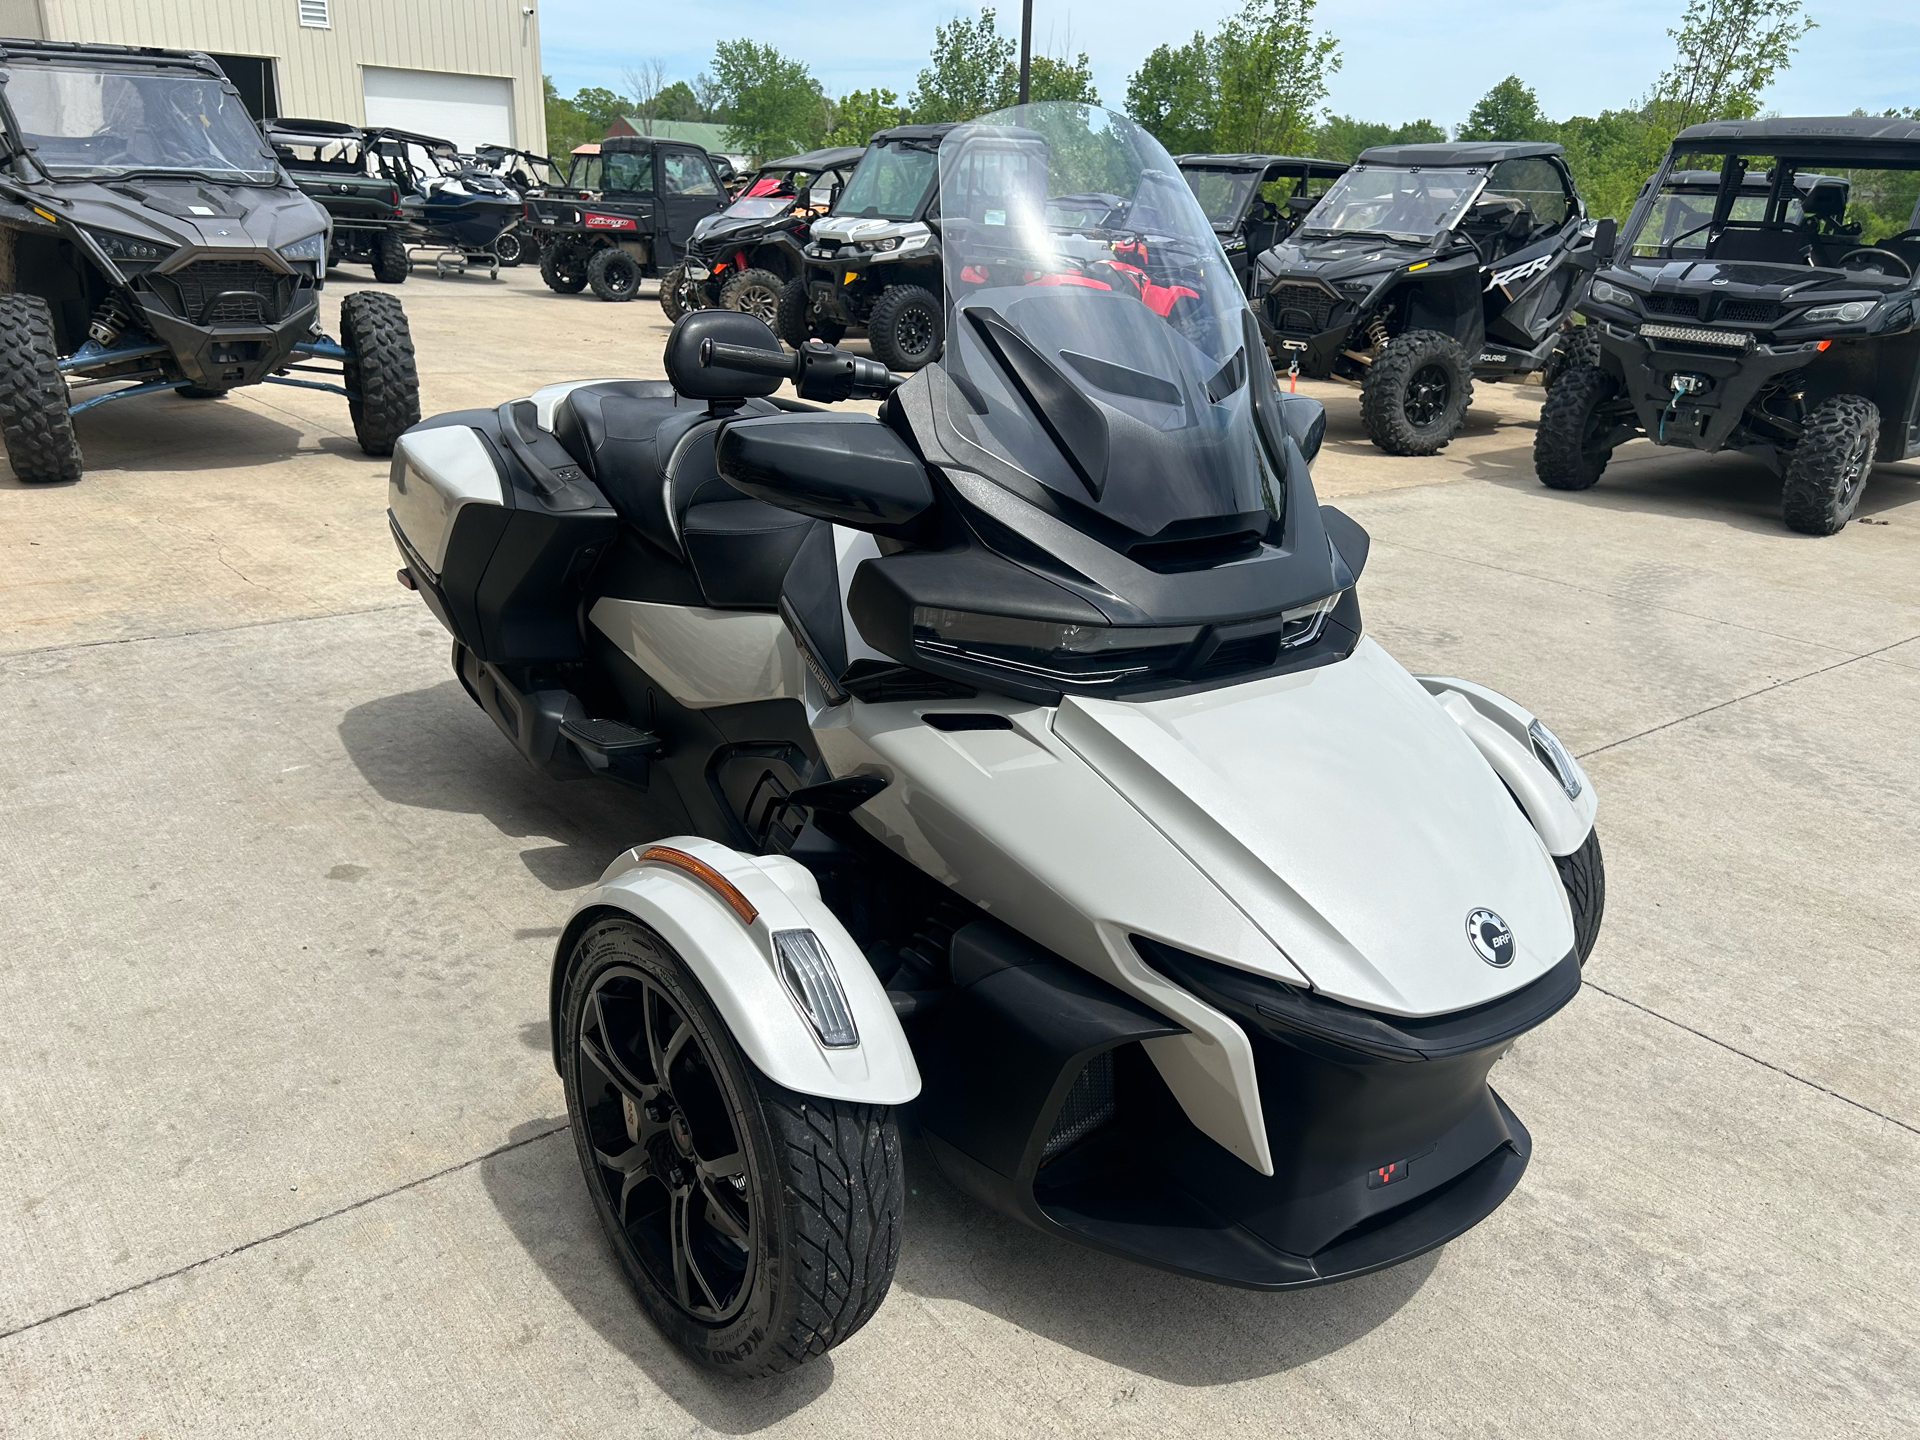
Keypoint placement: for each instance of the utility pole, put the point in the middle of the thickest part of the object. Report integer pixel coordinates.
(1026, 46)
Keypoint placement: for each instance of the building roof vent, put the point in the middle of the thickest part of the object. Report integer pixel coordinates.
(313, 14)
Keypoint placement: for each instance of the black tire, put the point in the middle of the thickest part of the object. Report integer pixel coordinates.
(673, 300)
(1416, 393)
(754, 292)
(563, 270)
(613, 274)
(1578, 346)
(782, 1263)
(1571, 449)
(510, 249)
(1827, 473)
(390, 263)
(907, 327)
(34, 420)
(381, 371)
(1584, 873)
(793, 316)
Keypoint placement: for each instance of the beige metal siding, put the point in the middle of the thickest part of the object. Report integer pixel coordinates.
(319, 70)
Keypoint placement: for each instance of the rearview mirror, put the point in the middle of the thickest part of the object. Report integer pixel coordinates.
(803, 198)
(1604, 236)
(851, 470)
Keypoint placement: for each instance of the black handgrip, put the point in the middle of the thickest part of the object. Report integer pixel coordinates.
(749, 359)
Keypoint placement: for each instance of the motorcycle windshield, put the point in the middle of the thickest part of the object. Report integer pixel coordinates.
(1403, 204)
(1098, 340)
(82, 123)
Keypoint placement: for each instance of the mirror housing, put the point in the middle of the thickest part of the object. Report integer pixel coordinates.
(1605, 235)
(803, 198)
(1305, 420)
(719, 382)
(851, 470)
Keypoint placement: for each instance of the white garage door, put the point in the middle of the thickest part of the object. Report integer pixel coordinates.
(469, 110)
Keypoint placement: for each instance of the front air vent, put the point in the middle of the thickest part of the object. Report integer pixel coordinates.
(1089, 1106)
(1200, 552)
(1300, 309)
(1671, 304)
(225, 292)
(1749, 312)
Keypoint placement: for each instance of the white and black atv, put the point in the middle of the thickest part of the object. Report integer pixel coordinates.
(1031, 766)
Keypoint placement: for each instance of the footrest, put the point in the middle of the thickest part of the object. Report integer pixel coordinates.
(610, 738)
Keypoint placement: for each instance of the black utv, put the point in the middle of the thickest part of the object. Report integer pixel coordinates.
(333, 163)
(873, 260)
(149, 241)
(627, 213)
(1423, 267)
(742, 258)
(1772, 311)
(1254, 202)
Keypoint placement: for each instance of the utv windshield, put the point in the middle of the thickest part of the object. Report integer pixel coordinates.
(1109, 362)
(890, 181)
(103, 122)
(1401, 204)
(1223, 194)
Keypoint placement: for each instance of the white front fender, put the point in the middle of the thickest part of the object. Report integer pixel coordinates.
(1498, 728)
(734, 961)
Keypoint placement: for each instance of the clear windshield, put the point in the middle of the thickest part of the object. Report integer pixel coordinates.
(1097, 333)
(1410, 204)
(759, 207)
(1222, 194)
(1816, 219)
(102, 122)
(890, 181)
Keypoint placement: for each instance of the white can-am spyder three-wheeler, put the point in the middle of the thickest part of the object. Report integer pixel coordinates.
(1031, 766)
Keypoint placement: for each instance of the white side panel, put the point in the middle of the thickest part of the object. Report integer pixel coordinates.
(435, 474)
(1351, 818)
(1498, 728)
(735, 964)
(469, 110)
(704, 658)
(1020, 825)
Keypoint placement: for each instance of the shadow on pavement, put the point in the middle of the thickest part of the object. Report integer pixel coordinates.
(159, 433)
(539, 1193)
(434, 749)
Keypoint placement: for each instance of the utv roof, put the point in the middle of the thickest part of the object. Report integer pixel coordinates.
(11, 49)
(1865, 140)
(935, 133)
(1243, 161)
(1458, 152)
(432, 142)
(831, 158)
(330, 129)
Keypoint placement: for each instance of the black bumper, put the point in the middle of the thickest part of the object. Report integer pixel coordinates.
(219, 357)
(1707, 419)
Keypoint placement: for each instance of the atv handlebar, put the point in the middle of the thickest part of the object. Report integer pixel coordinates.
(818, 371)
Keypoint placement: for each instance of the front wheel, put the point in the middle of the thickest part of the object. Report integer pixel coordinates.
(1827, 473)
(760, 1228)
(673, 293)
(613, 274)
(1576, 347)
(754, 292)
(383, 385)
(34, 420)
(1584, 874)
(1574, 442)
(563, 270)
(906, 328)
(1416, 393)
(391, 265)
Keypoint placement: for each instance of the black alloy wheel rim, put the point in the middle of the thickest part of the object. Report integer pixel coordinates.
(914, 331)
(668, 1161)
(759, 302)
(622, 278)
(1853, 475)
(1427, 395)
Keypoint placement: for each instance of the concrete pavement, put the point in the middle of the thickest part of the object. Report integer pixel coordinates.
(282, 1151)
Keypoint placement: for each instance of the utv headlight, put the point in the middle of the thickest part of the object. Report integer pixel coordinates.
(806, 969)
(1071, 654)
(1553, 755)
(1608, 294)
(130, 247)
(313, 248)
(1845, 314)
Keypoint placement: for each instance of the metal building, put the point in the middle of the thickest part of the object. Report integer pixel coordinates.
(468, 70)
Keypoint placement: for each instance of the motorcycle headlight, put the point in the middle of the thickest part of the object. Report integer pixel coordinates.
(1553, 755)
(1611, 294)
(1845, 314)
(130, 247)
(313, 247)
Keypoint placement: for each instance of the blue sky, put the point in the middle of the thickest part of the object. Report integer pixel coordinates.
(1402, 59)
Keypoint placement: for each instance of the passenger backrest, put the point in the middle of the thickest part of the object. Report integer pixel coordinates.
(1766, 243)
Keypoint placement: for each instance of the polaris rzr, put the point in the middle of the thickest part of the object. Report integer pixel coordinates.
(332, 163)
(1256, 201)
(745, 256)
(874, 260)
(630, 209)
(1031, 767)
(1423, 267)
(148, 237)
(1765, 304)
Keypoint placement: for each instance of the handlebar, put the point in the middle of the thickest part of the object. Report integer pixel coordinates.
(818, 371)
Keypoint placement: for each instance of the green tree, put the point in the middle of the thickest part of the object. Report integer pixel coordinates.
(1729, 53)
(602, 107)
(1509, 111)
(770, 104)
(1054, 77)
(566, 126)
(677, 102)
(1342, 137)
(857, 116)
(1171, 95)
(972, 71)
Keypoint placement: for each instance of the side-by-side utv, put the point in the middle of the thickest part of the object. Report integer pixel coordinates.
(628, 210)
(332, 162)
(1254, 202)
(1761, 297)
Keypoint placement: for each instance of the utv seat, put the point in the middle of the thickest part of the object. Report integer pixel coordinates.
(651, 454)
(1754, 240)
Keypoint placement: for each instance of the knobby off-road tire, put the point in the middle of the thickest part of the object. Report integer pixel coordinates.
(792, 1259)
(380, 370)
(906, 328)
(510, 249)
(1570, 448)
(1578, 346)
(33, 395)
(673, 302)
(794, 321)
(613, 274)
(1827, 473)
(754, 292)
(1584, 873)
(390, 263)
(1416, 393)
(562, 269)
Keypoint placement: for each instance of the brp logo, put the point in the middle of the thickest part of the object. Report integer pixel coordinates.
(1492, 941)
